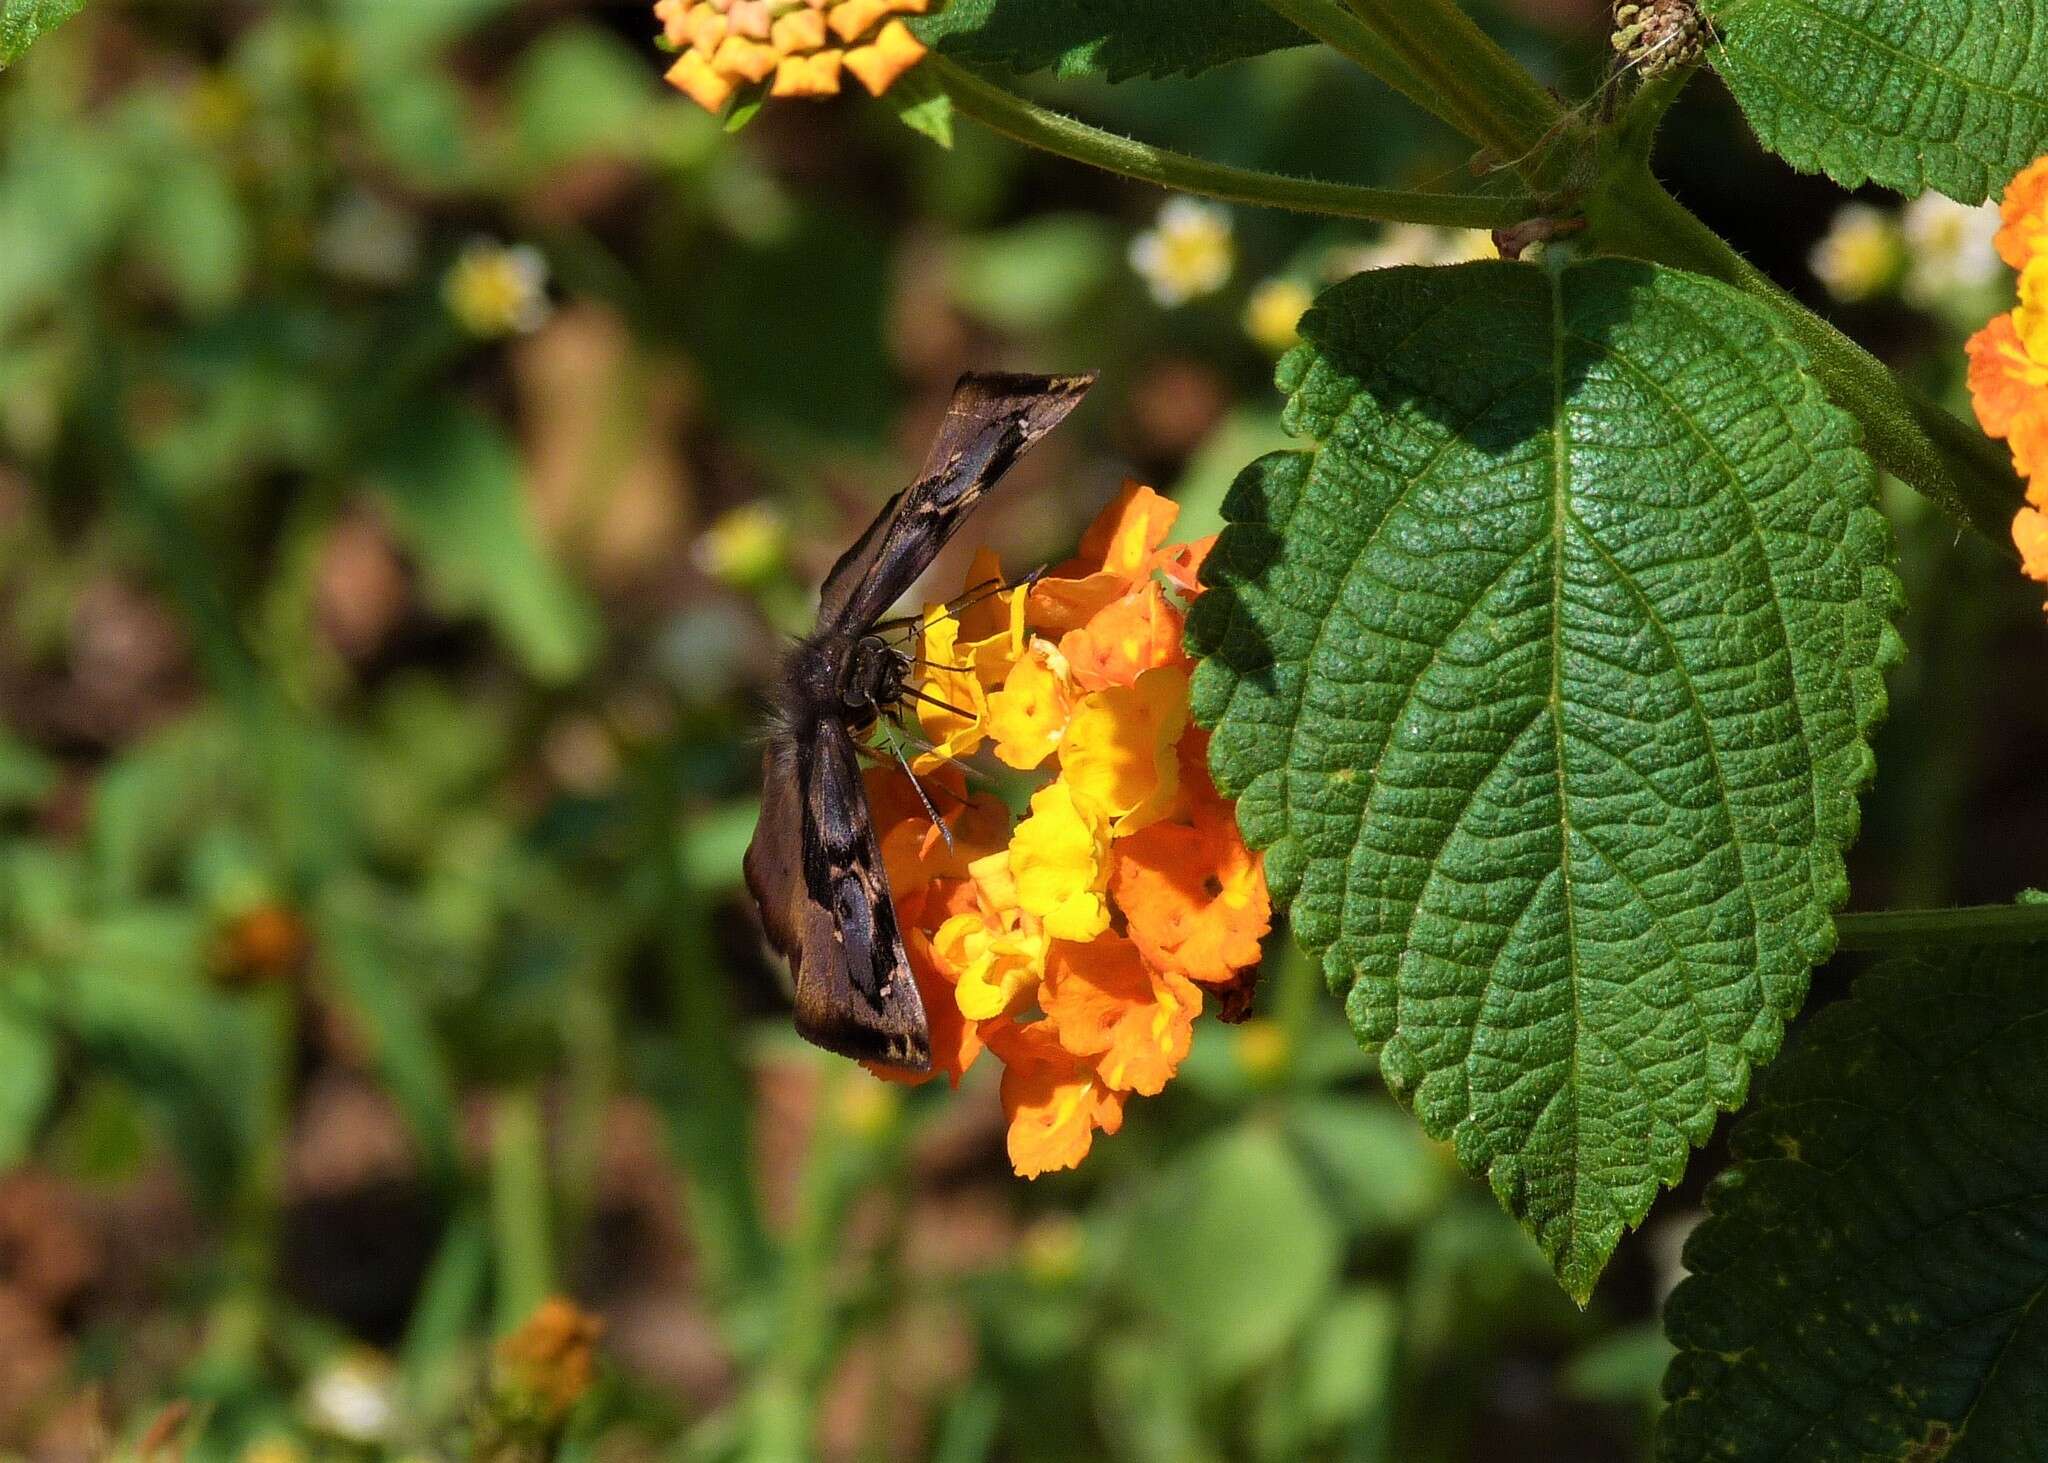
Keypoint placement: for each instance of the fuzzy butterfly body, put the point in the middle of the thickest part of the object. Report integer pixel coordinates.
(815, 865)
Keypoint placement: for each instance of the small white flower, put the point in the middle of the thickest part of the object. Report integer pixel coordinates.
(355, 1398)
(496, 289)
(1861, 254)
(1949, 248)
(1189, 252)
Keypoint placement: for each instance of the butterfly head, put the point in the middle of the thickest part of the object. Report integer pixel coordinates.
(851, 678)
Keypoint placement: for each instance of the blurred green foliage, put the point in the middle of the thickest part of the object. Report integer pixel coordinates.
(376, 762)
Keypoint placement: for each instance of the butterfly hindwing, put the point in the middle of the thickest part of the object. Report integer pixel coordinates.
(815, 867)
(993, 420)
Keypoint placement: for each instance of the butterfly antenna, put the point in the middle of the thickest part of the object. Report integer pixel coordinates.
(918, 695)
(968, 598)
(930, 811)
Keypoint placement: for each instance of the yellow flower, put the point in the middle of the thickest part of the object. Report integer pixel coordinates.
(1118, 753)
(1059, 857)
(1188, 253)
(1028, 716)
(1273, 313)
(804, 45)
(496, 289)
(745, 546)
(2009, 362)
(1861, 255)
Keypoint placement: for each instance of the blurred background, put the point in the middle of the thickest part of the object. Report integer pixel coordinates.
(417, 428)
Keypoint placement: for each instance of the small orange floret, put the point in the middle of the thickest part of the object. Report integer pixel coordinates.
(1054, 1100)
(2024, 210)
(1194, 899)
(1106, 1002)
(1118, 551)
(1134, 633)
(2009, 389)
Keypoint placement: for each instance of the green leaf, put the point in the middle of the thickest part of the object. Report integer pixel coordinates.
(922, 105)
(1113, 38)
(29, 1064)
(22, 22)
(1915, 94)
(1543, 681)
(1867, 1283)
(1235, 1250)
(453, 482)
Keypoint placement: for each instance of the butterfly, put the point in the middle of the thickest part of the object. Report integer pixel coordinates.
(815, 864)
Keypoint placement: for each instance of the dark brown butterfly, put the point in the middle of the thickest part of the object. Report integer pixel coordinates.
(815, 865)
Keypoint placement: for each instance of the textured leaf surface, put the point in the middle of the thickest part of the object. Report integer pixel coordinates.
(1112, 38)
(1543, 682)
(1916, 94)
(22, 22)
(1869, 1281)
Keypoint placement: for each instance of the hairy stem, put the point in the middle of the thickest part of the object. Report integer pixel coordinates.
(1970, 924)
(1005, 112)
(1343, 32)
(1962, 470)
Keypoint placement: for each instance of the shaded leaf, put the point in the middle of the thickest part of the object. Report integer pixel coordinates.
(1543, 681)
(1112, 38)
(1867, 1283)
(1914, 94)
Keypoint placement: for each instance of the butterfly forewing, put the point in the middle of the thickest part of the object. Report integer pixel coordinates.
(993, 420)
(815, 865)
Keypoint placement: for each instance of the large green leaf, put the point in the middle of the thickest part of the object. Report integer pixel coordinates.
(1543, 682)
(1916, 94)
(1868, 1283)
(1112, 38)
(22, 22)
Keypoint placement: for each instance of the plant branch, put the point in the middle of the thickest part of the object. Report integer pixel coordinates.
(1962, 470)
(1004, 112)
(1970, 924)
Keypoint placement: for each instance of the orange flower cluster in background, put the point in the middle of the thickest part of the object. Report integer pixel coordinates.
(799, 47)
(2009, 361)
(1076, 943)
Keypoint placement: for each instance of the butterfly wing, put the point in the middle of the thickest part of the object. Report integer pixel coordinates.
(815, 869)
(993, 420)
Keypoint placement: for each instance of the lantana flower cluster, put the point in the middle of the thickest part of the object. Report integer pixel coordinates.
(798, 47)
(1079, 942)
(2009, 361)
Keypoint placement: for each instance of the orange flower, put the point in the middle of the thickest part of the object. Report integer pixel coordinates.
(1071, 943)
(1135, 1018)
(2024, 209)
(1136, 632)
(802, 44)
(1053, 1099)
(2009, 361)
(548, 1363)
(1118, 552)
(1194, 898)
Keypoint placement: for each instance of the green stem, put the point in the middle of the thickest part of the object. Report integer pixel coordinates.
(1497, 103)
(520, 1202)
(1969, 924)
(1012, 116)
(1961, 469)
